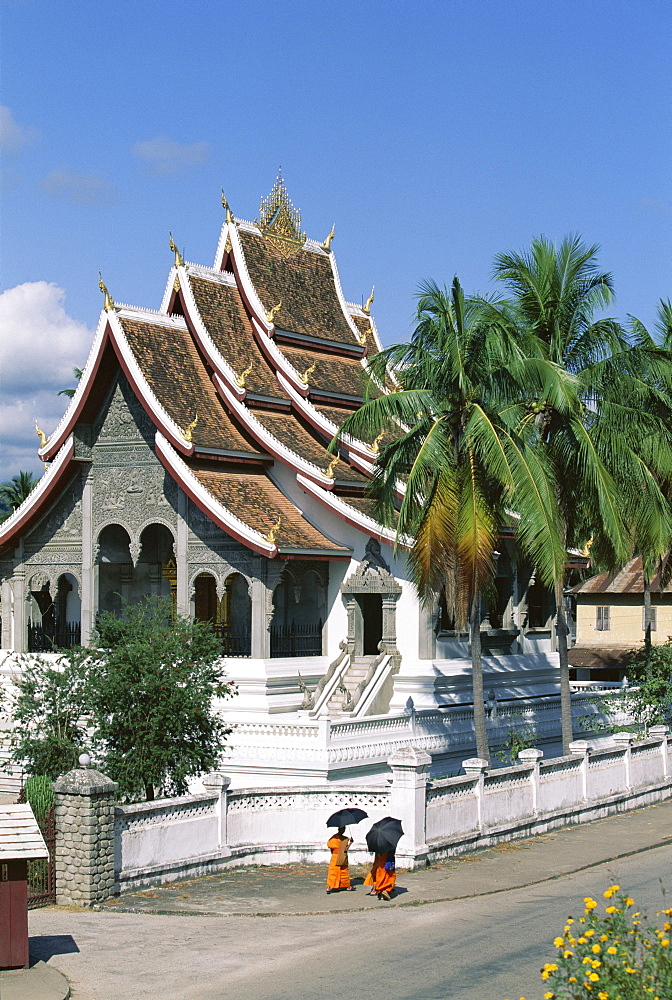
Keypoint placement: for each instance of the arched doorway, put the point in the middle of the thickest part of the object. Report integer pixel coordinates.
(54, 620)
(121, 579)
(371, 596)
(298, 613)
(230, 614)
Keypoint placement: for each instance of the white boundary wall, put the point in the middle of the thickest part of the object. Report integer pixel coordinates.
(196, 834)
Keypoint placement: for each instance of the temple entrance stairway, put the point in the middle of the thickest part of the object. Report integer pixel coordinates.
(353, 677)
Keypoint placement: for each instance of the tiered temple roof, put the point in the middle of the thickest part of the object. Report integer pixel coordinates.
(249, 366)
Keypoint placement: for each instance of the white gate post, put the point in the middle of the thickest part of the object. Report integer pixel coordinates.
(408, 802)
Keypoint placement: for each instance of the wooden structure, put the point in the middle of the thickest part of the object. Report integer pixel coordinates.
(20, 842)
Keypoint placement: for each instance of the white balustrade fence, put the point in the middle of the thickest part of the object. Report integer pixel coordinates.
(158, 841)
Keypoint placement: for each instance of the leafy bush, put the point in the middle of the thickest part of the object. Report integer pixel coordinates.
(651, 703)
(611, 956)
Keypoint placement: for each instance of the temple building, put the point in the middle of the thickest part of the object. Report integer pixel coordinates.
(192, 461)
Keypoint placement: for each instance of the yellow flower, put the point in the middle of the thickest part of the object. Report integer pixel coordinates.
(590, 903)
(587, 960)
(572, 979)
(545, 975)
(631, 972)
(558, 942)
(589, 933)
(628, 901)
(567, 954)
(549, 996)
(611, 909)
(596, 964)
(602, 995)
(582, 940)
(664, 943)
(596, 949)
(604, 937)
(593, 977)
(612, 950)
(667, 926)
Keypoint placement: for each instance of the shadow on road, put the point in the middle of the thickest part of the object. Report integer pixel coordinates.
(45, 946)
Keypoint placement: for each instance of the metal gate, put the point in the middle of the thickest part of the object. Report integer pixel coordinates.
(42, 871)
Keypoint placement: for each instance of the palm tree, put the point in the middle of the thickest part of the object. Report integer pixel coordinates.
(454, 464)
(14, 492)
(592, 449)
(77, 372)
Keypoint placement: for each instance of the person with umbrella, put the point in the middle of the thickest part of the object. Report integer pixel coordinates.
(338, 875)
(382, 840)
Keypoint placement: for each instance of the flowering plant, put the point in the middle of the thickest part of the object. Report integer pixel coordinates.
(611, 956)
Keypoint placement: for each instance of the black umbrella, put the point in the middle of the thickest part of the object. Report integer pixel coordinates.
(344, 817)
(384, 836)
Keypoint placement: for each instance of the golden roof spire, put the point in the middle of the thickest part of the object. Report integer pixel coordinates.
(179, 259)
(270, 315)
(42, 436)
(270, 537)
(225, 204)
(188, 431)
(280, 221)
(242, 378)
(366, 308)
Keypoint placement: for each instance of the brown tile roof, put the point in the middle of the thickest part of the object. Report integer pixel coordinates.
(337, 415)
(586, 656)
(258, 502)
(173, 368)
(340, 375)
(628, 580)
(225, 319)
(287, 429)
(305, 284)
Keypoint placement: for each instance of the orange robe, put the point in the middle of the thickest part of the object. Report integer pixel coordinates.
(379, 877)
(338, 876)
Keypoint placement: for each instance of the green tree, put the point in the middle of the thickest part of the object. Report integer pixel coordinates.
(14, 492)
(77, 372)
(150, 694)
(451, 441)
(594, 449)
(651, 673)
(49, 713)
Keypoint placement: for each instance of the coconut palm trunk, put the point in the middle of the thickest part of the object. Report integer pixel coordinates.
(480, 727)
(563, 655)
(647, 618)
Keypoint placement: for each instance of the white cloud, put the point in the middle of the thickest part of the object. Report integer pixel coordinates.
(79, 188)
(165, 156)
(40, 346)
(13, 137)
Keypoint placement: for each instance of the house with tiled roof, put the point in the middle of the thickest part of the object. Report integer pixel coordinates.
(192, 461)
(610, 619)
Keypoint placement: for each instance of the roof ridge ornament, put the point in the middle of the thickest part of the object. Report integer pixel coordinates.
(308, 372)
(225, 204)
(366, 308)
(375, 444)
(179, 259)
(327, 243)
(270, 537)
(280, 221)
(329, 471)
(270, 315)
(188, 431)
(242, 378)
(42, 436)
(108, 304)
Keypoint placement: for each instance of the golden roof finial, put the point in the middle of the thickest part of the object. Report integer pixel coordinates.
(366, 308)
(242, 378)
(109, 301)
(225, 204)
(327, 243)
(270, 537)
(587, 547)
(270, 315)
(329, 471)
(308, 372)
(188, 431)
(361, 337)
(42, 436)
(375, 444)
(179, 259)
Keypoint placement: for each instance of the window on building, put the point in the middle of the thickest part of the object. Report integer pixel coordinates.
(652, 619)
(602, 619)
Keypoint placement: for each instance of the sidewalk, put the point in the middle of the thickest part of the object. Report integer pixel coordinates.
(293, 890)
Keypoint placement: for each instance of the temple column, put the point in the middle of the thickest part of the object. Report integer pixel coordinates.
(6, 640)
(261, 621)
(88, 610)
(181, 555)
(389, 636)
(19, 588)
(426, 633)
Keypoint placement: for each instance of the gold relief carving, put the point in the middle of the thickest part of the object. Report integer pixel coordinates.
(366, 308)
(280, 221)
(361, 337)
(179, 259)
(227, 246)
(270, 537)
(327, 243)
(308, 372)
(270, 315)
(176, 284)
(188, 431)
(42, 436)
(242, 378)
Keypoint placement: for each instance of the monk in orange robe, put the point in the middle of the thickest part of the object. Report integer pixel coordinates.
(382, 876)
(338, 876)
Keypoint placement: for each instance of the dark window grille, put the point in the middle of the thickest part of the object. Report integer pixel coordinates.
(42, 871)
(296, 640)
(235, 642)
(43, 640)
(652, 619)
(602, 623)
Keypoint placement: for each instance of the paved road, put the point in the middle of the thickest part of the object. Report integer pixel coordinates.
(488, 947)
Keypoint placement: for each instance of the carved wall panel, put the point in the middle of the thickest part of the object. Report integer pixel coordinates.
(63, 521)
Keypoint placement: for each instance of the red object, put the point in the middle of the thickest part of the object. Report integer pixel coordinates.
(14, 914)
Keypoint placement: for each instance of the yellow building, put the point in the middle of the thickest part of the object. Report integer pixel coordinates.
(610, 621)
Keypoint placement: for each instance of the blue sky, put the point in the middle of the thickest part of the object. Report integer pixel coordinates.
(434, 134)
